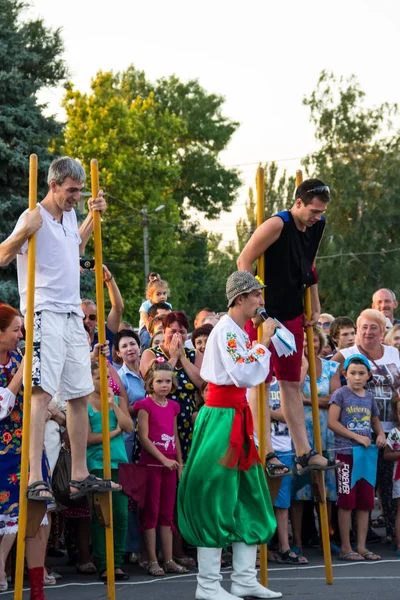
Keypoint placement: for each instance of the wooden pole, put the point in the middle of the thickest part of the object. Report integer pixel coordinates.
(30, 302)
(105, 500)
(261, 387)
(318, 476)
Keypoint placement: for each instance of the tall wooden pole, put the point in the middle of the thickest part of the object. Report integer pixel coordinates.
(318, 477)
(261, 387)
(30, 302)
(105, 499)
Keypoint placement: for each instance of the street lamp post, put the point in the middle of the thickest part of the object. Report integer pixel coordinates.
(145, 223)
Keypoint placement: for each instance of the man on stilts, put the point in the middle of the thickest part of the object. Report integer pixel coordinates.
(289, 241)
(223, 496)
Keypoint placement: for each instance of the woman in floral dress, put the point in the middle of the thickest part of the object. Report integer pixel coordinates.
(11, 411)
(186, 364)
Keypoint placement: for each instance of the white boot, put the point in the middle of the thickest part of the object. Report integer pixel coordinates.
(244, 576)
(209, 576)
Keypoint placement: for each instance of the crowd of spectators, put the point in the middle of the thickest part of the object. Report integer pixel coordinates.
(156, 363)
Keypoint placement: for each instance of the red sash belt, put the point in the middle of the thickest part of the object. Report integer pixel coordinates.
(230, 396)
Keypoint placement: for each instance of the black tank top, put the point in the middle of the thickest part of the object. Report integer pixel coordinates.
(286, 261)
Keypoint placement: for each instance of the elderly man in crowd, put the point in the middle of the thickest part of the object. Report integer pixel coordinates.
(203, 316)
(385, 301)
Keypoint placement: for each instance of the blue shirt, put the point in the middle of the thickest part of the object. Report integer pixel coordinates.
(134, 386)
(109, 337)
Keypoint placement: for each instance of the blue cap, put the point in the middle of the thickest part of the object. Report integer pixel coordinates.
(353, 358)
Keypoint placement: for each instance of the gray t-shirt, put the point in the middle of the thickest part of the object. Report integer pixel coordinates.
(355, 415)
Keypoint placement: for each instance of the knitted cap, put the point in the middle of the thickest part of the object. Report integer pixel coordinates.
(241, 282)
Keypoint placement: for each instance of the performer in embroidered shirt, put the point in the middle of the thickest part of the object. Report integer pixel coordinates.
(223, 497)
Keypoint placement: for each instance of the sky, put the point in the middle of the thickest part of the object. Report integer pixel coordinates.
(263, 56)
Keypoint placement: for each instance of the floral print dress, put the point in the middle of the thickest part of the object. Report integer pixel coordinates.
(10, 452)
(185, 395)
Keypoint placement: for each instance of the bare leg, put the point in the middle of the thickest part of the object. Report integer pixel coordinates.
(297, 519)
(6, 544)
(83, 538)
(282, 520)
(293, 411)
(344, 518)
(397, 525)
(177, 543)
(36, 549)
(40, 402)
(149, 536)
(253, 401)
(166, 542)
(362, 530)
(47, 529)
(78, 426)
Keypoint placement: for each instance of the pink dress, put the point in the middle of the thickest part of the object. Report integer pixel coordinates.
(161, 428)
(160, 486)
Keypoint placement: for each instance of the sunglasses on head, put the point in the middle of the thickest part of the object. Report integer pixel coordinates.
(319, 189)
(91, 317)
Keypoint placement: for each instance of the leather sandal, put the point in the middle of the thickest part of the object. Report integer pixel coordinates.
(271, 468)
(36, 489)
(92, 485)
(303, 462)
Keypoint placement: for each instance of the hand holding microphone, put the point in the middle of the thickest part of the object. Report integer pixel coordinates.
(269, 326)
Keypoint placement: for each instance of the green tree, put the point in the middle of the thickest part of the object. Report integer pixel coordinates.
(359, 158)
(221, 263)
(30, 59)
(278, 195)
(204, 183)
(144, 137)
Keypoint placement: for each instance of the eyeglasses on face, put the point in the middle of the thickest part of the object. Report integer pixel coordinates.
(325, 325)
(319, 189)
(91, 317)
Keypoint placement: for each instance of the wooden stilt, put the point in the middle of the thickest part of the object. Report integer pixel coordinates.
(317, 477)
(30, 300)
(103, 504)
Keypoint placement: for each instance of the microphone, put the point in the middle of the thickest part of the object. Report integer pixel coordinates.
(261, 312)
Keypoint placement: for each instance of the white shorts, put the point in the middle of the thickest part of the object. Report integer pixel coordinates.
(396, 488)
(61, 355)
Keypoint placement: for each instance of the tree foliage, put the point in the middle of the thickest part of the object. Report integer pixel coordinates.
(204, 183)
(359, 159)
(278, 195)
(155, 144)
(30, 59)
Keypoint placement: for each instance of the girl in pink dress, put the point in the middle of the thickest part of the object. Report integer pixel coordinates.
(161, 456)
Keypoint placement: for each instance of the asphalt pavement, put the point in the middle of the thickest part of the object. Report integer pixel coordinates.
(380, 580)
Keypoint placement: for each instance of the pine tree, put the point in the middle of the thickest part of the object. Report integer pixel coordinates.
(30, 59)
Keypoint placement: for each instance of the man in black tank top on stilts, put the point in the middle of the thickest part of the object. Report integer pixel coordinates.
(289, 241)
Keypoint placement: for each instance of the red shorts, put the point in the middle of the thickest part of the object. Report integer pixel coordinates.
(288, 368)
(361, 496)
